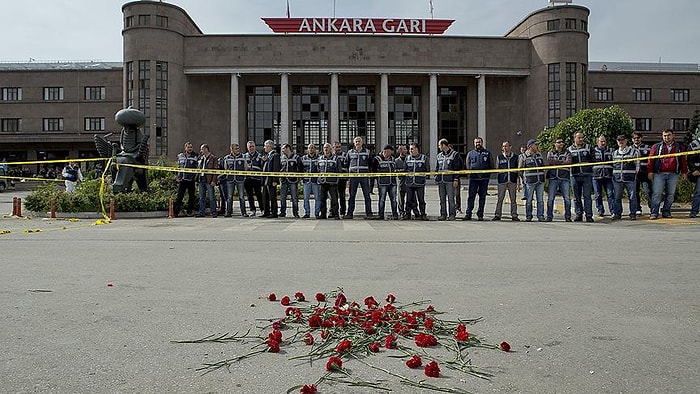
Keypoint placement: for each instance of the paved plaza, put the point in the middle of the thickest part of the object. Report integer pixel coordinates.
(605, 307)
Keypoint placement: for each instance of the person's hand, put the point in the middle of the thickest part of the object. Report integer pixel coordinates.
(650, 176)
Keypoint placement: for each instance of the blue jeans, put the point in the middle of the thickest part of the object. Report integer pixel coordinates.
(480, 187)
(230, 186)
(535, 188)
(664, 182)
(446, 191)
(562, 185)
(600, 185)
(631, 186)
(696, 199)
(391, 191)
(582, 185)
(315, 189)
(205, 188)
(354, 184)
(293, 188)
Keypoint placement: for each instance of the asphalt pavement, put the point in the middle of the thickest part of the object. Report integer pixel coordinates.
(605, 307)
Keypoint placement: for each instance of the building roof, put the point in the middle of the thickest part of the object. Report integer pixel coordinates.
(644, 67)
(59, 66)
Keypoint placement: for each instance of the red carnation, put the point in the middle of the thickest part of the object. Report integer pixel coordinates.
(430, 308)
(461, 327)
(429, 324)
(308, 389)
(299, 296)
(344, 346)
(275, 335)
(425, 340)
(374, 347)
(273, 346)
(324, 334)
(276, 325)
(414, 362)
(334, 364)
(285, 301)
(320, 297)
(390, 342)
(371, 303)
(462, 336)
(432, 370)
(272, 297)
(390, 298)
(308, 339)
(340, 300)
(505, 346)
(315, 321)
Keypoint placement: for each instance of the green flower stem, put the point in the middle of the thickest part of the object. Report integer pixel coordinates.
(219, 338)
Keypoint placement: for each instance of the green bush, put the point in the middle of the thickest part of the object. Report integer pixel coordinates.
(162, 187)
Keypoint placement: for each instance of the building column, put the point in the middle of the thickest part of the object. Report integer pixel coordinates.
(284, 135)
(383, 137)
(432, 117)
(481, 108)
(335, 111)
(234, 108)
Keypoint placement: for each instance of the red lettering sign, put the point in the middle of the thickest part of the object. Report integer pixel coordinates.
(358, 25)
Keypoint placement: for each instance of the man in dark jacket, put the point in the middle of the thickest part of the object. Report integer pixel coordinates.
(271, 164)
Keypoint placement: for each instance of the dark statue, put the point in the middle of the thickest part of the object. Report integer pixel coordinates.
(131, 149)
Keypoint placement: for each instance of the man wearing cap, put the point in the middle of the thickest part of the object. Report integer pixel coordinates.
(534, 178)
(602, 176)
(447, 160)
(581, 178)
(385, 164)
(416, 165)
(478, 158)
(559, 179)
(508, 181)
(625, 169)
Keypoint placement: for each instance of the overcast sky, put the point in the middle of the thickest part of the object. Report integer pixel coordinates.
(621, 30)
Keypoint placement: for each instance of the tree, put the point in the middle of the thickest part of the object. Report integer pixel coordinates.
(608, 122)
(693, 131)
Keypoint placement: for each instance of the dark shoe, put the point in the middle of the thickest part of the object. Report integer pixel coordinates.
(548, 219)
(273, 217)
(370, 217)
(528, 219)
(633, 217)
(590, 220)
(228, 215)
(616, 217)
(379, 217)
(265, 215)
(336, 217)
(348, 216)
(541, 219)
(406, 217)
(424, 218)
(296, 215)
(496, 218)
(515, 219)
(480, 218)
(306, 216)
(199, 215)
(568, 219)
(467, 217)
(669, 216)
(578, 219)
(395, 217)
(442, 218)
(653, 217)
(693, 215)
(284, 215)
(451, 218)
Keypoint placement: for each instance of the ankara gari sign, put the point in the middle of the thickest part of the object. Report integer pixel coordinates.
(358, 25)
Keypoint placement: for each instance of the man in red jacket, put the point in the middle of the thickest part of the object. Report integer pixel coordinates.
(664, 171)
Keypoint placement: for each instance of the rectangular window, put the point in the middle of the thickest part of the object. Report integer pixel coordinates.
(584, 85)
(680, 124)
(642, 94)
(310, 114)
(571, 89)
(53, 94)
(554, 94)
(144, 20)
(642, 124)
(357, 114)
(95, 93)
(161, 21)
(129, 21)
(680, 95)
(452, 116)
(145, 87)
(11, 94)
(94, 124)
(405, 115)
(53, 124)
(553, 24)
(584, 25)
(162, 108)
(603, 94)
(570, 23)
(129, 84)
(10, 125)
